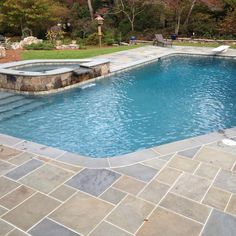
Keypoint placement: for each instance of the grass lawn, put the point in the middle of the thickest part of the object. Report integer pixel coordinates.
(213, 45)
(73, 54)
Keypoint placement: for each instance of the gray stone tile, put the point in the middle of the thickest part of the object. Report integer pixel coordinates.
(66, 166)
(231, 208)
(207, 171)
(130, 214)
(138, 171)
(5, 167)
(24, 169)
(154, 192)
(166, 223)
(166, 157)
(31, 211)
(8, 140)
(183, 164)
(6, 186)
(186, 207)
(48, 227)
(106, 229)
(22, 158)
(7, 153)
(132, 158)
(168, 175)
(129, 185)
(216, 198)
(93, 181)
(39, 149)
(46, 178)
(113, 196)
(81, 213)
(155, 163)
(177, 146)
(217, 158)
(16, 197)
(190, 153)
(220, 224)
(226, 180)
(63, 192)
(191, 186)
(5, 228)
(75, 159)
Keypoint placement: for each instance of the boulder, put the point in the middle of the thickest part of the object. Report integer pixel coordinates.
(2, 52)
(26, 41)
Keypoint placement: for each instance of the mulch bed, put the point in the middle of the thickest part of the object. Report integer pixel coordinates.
(12, 55)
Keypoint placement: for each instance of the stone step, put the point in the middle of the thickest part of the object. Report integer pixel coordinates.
(20, 110)
(12, 106)
(4, 95)
(10, 99)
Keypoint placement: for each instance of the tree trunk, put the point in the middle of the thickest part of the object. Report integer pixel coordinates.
(190, 12)
(178, 24)
(90, 9)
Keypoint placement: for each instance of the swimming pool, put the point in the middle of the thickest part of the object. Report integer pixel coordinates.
(175, 98)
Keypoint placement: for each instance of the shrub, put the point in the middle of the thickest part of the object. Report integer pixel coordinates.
(92, 39)
(40, 46)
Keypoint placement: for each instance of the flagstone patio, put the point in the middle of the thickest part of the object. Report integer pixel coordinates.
(183, 188)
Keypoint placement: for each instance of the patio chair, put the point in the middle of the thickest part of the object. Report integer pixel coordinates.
(159, 40)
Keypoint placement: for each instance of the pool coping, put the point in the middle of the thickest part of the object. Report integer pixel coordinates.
(130, 158)
(77, 160)
(8, 68)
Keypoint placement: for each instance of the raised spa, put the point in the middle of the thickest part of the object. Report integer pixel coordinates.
(175, 98)
(37, 76)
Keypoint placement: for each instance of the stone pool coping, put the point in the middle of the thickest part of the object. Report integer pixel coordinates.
(118, 161)
(8, 68)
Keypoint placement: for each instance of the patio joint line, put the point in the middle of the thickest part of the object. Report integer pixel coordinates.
(157, 205)
(60, 225)
(206, 222)
(213, 180)
(170, 210)
(228, 202)
(51, 212)
(14, 227)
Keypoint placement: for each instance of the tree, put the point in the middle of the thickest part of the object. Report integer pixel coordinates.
(228, 26)
(131, 9)
(36, 15)
(90, 7)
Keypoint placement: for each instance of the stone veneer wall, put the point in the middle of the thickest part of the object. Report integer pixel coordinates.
(50, 82)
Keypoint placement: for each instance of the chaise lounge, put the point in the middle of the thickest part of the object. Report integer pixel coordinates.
(159, 40)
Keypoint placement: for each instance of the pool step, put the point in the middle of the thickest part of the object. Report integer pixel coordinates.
(4, 95)
(20, 110)
(14, 104)
(11, 106)
(10, 99)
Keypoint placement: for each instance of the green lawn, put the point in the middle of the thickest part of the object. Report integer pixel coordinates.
(73, 54)
(200, 44)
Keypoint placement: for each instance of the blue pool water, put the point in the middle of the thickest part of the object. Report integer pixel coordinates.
(169, 100)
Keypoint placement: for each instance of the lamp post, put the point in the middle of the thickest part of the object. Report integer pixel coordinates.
(99, 20)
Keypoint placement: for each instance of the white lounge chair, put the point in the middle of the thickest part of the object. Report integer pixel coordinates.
(220, 49)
